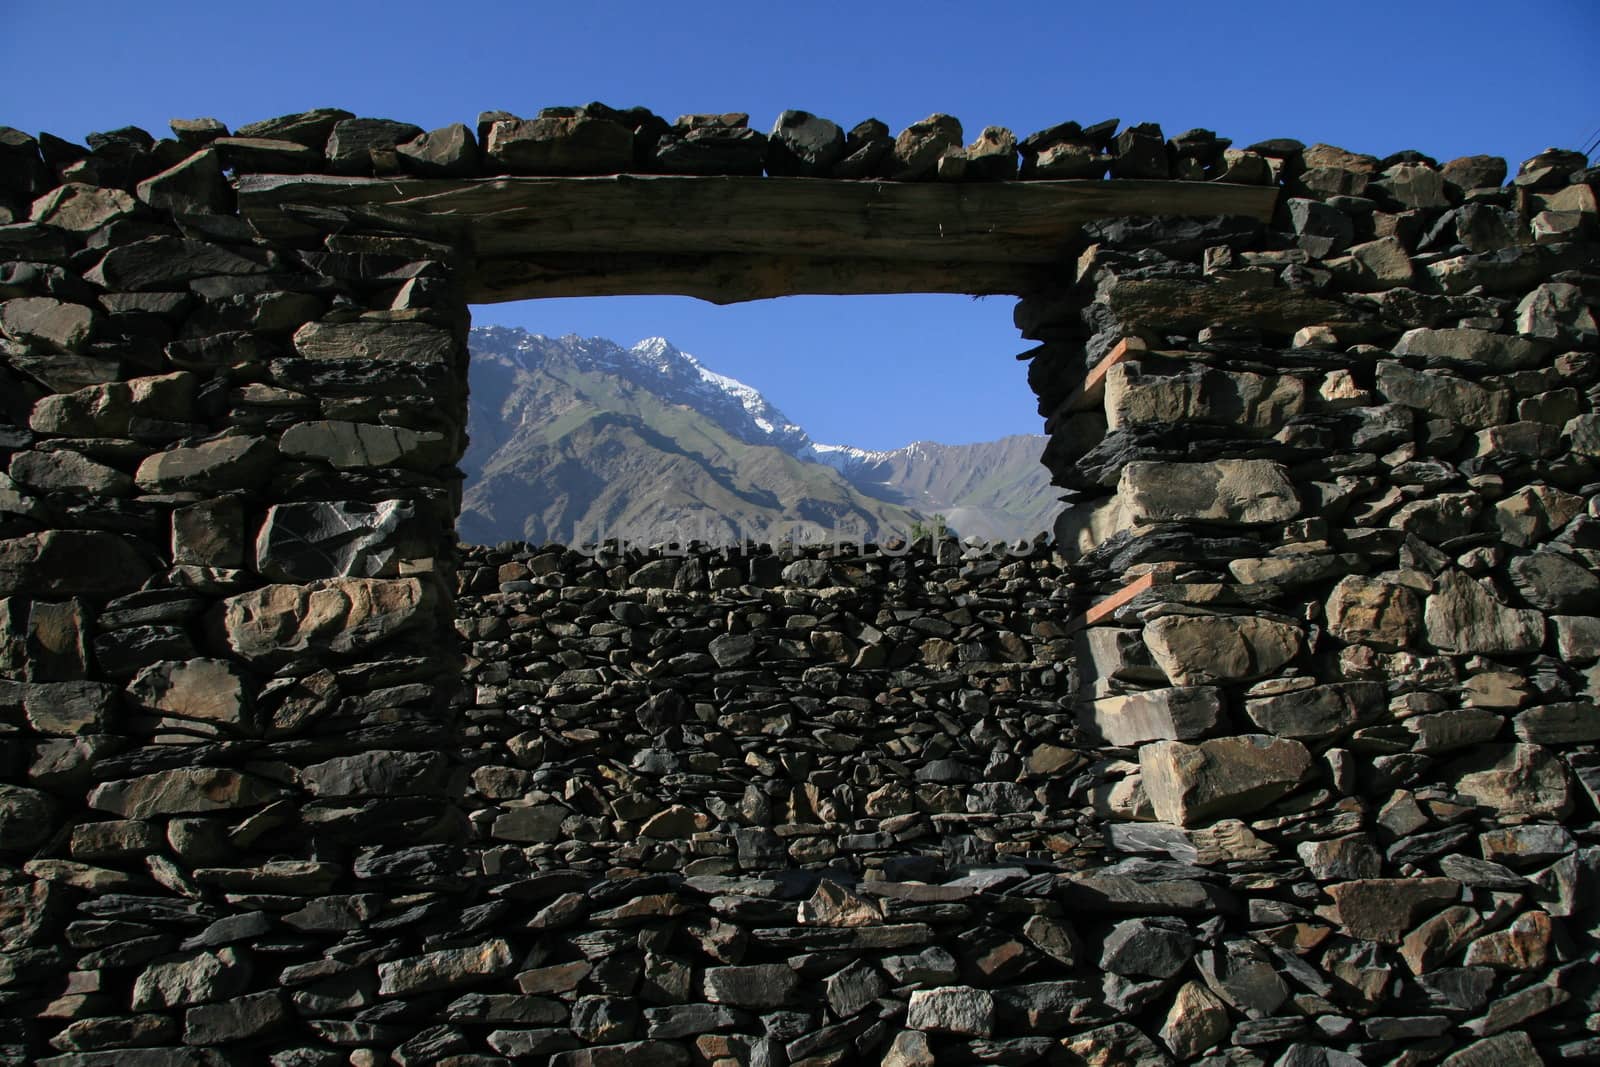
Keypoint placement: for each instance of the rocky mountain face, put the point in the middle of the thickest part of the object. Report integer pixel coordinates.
(577, 439)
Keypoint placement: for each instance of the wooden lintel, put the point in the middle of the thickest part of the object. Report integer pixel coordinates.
(929, 230)
(1104, 607)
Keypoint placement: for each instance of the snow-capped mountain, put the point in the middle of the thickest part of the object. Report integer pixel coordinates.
(570, 436)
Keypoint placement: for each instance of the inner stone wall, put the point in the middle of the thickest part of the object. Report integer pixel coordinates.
(1284, 755)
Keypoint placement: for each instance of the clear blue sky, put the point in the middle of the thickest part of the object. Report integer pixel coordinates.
(1448, 78)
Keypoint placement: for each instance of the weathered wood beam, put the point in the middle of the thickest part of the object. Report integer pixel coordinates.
(729, 278)
(713, 236)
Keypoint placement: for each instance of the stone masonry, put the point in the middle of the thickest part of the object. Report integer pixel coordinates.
(1283, 753)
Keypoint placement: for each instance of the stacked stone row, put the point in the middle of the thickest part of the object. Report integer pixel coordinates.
(597, 140)
(226, 527)
(1335, 481)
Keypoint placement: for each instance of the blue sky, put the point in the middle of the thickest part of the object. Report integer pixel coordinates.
(1449, 79)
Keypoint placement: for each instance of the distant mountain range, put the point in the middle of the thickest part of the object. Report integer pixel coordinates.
(577, 439)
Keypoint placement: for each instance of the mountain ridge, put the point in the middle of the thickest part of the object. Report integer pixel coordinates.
(572, 438)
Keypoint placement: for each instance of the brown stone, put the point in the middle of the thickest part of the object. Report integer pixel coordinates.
(1384, 909)
(1523, 946)
(182, 791)
(52, 324)
(207, 690)
(1463, 616)
(1191, 784)
(1204, 649)
(217, 466)
(70, 562)
(278, 623)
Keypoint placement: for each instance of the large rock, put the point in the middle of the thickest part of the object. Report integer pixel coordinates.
(446, 969)
(804, 145)
(952, 1009)
(1372, 611)
(1498, 352)
(1513, 780)
(182, 791)
(1206, 649)
(1463, 616)
(357, 445)
(70, 563)
(169, 263)
(280, 623)
(117, 409)
(208, 690)
(448, 152)
(919, 146)
(1383, 909)
(402, 342)
(1443, 395)
(1318, 713)
(763, 986)
(340, 539)
(1534, 513)
(51, 324)
(571, 144)
(1555, 582)
(1200, 394)
(1190, 784)
(1233, 491)
(200, 978)
(1196, 1020)
(194, 186)
(70, 709)
(1181, 714)
(64, 471)
(217, 466)
(81, 208)
(379, 773)
(27, 817)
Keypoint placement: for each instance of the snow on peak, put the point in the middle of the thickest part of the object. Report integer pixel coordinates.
(686, 371)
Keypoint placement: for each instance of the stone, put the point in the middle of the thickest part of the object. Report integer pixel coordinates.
(1514, 1048)
(853, 989)
(448, 152)
(378, 773)
(70, 709)
(1438, 938)
(1523, 946)
(732, 650)
(1413, 186)
(1152, 948)
(357, 445)
(1554, 582)
(385, 341)
(1114, 1045)
(70, 563)
(1346, 858)
(1474, 172)
(238, 1019)
(910, 1048)
(1381, 264)
(355, 146)
(54, 648)
(446, 969)
(194, 186)
(284, 623)
(1232, 491)
(335, 539)
(116, 409)
(1514, 779)
(205, 690)
(1318, 713)
(27, 818)
(1557, 312)
(1534, 513)
(68, 472)
(181, 791)
(832, 905)
(1243, 974)
(1472, 348)
(1190, 784)
(1372, 611)
(803, 145)
(1195, 1022)
(197, 978)
(918, 148)
(163, 263)
(1197, 650)
(1384, 909)
(54, 325)
(209, 533)
(711, 145)
(1442, 395)
(1199, 394)
(605, 1020)
(216, 466)
(1180, 714)
(762, 986)
(81, 208)
(1462, 616)
(573, 144)
(992, 156)
(308, 128)
(952, 1009)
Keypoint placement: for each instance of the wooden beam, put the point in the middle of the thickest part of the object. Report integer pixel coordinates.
(926, 230)
(729, 278)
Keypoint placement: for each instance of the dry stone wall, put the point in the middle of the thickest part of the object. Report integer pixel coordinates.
(1285, 754)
